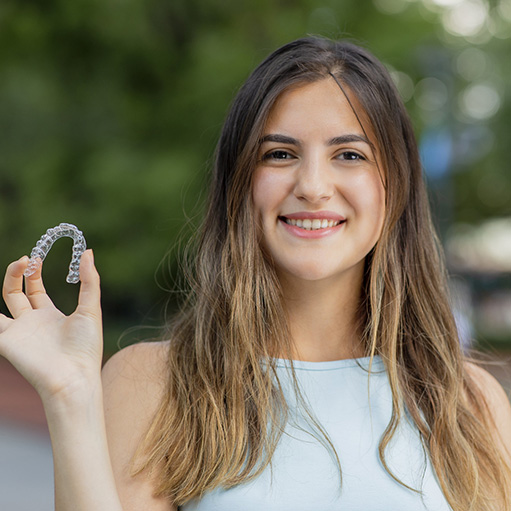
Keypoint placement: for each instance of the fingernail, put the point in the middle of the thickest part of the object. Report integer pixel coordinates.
(24, 259)
(90, 257)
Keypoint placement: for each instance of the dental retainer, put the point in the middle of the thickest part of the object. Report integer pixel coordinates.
(43, 246)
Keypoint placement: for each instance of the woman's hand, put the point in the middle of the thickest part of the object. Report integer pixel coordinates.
(59, 355)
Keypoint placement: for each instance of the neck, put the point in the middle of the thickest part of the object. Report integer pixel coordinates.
(323, 318)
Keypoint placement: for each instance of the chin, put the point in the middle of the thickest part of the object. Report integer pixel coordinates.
(321, 271)
(311, 273)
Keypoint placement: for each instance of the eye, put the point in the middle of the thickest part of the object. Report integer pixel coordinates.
(278, 154)
(351, 156)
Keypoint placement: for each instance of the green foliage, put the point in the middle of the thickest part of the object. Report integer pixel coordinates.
(110, 109)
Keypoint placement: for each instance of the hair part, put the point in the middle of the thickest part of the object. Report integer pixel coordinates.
(224, 411)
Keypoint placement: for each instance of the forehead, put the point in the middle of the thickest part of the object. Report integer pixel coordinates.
(320, 105)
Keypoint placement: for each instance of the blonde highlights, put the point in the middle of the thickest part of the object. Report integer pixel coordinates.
(224, 410)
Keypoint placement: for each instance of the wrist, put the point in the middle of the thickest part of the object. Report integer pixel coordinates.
(73, 396)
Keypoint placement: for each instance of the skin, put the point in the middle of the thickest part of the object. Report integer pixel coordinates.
(315, 157)
(96, 421)
(94, 424)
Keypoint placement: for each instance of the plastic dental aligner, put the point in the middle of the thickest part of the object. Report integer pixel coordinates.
(43, 246)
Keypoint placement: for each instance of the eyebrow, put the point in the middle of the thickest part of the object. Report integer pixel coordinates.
(342, 139)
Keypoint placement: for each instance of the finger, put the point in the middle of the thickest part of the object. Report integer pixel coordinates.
(90, 294)
(35, 291)
(13, 294)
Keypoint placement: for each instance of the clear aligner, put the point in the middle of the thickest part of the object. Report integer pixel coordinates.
(43, 246)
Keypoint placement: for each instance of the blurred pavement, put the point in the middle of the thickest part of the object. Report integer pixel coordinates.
(26, 468)
(26, 464)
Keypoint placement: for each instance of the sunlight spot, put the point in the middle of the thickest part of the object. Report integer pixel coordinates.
(480, 101)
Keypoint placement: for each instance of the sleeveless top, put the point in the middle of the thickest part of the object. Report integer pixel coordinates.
(354, 407)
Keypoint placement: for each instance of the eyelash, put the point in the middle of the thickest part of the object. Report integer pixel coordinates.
(354, 156)
(271, 155)
(352, 153)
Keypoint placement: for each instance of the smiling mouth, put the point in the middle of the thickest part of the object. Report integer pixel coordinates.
(311, 224)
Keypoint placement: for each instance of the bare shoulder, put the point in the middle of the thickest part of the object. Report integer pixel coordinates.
(134, 382)
(488, 384)
(143, 363)
(496, 399)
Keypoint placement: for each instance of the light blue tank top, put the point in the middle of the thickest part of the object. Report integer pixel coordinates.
(303, 475)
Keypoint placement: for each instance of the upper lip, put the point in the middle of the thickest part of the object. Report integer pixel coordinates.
(302, 215)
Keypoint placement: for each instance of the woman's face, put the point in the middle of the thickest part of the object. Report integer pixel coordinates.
(317, 192)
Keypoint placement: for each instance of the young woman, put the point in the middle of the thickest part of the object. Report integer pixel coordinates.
(315, 364)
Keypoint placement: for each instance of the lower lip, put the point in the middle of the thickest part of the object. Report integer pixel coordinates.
(312, 234)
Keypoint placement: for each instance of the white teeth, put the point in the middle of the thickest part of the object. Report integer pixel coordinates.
(312, 225)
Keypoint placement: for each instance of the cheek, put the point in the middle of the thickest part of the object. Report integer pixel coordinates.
(378, 198)
(259, 186)
(269, 189)
(379, 208)
(261, 202)
(369, 196)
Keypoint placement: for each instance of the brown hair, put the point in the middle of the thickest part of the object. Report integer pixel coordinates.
(224, 411)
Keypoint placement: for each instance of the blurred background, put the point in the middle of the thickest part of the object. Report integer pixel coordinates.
(110, 111)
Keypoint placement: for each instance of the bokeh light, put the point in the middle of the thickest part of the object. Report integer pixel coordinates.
(465, 18)
(404, 84)
(472, 63)
(480, 101)
(486, 248)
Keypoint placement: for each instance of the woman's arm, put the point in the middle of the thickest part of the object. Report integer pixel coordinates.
(84, 478)
(61, 357)
(134, 381)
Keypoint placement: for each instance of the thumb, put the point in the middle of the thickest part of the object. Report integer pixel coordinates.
(90, 294)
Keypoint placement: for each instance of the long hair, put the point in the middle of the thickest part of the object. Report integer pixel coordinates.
(224, 411)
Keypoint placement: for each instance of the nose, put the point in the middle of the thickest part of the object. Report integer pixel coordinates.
(313, 180)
